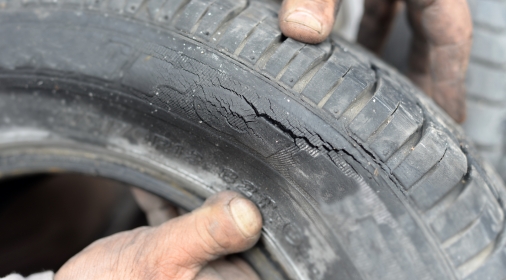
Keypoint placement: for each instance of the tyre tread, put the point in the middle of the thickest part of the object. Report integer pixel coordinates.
(421, 156)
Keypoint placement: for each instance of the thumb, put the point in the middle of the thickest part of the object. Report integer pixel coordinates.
(226, 223)
(308, 21)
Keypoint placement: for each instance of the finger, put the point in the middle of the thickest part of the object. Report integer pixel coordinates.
(376, 23)
(440, 51)
(308, 21)
(157, 210)
(226, 223)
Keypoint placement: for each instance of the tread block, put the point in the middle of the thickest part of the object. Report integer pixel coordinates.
(282, 56)
(379, 266)
(67, 3)
(191, 14)
(326, 78)
(132, 6)
(169, 10)
(404, 123)
(357, 81)
(485, 123)
(154, 7)
(90, 4)
(260, 40)
(444, 176)
(466, 209)
(424, 156)
(489, 13)
(489, 47)
(477, 237)
(116, 5)
(240, 28)
(486, 82)
(217, 14)
(28, 2)
(306, 59)
(384, 102)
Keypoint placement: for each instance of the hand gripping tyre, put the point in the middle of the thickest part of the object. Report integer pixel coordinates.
(357, 174)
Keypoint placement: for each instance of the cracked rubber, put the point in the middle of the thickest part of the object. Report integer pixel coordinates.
(357, 174)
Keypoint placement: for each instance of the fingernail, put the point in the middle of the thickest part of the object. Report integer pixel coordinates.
(306, 19)
(246, 216)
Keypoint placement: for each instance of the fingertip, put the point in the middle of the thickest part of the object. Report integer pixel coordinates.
(244, 213)
(303, 27)
(307, 21)
(229, 220)
(247, 217)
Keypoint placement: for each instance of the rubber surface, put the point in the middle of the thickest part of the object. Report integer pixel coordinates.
(486, 86)
(358, 175)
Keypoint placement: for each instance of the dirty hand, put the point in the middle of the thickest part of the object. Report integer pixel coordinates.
(186, 247)
(440, 48)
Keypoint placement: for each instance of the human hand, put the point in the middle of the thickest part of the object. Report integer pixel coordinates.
(440, 48)
(185, 247)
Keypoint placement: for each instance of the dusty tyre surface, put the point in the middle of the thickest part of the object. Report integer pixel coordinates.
(486, 86)
(357, 174)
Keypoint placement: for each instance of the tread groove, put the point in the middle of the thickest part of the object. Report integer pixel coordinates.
(245, 40)
(216, 36)
(197, 24)
(327, 96)
(446, 201)
(453, 239)
(476, 261)
(383, 125)
(154, 16)
(177, 13)
(306, 78)
(359, 103)
(266, 55)
(404, 150)
(138, 10)
(430, 171)
(285, 68)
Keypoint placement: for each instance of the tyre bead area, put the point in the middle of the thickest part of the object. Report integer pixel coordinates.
(380, 233)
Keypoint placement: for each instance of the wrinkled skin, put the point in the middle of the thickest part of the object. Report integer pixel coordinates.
(190, 246)
(439, 51)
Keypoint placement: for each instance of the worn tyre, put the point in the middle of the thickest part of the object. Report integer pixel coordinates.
(357, 174)
(486, 86)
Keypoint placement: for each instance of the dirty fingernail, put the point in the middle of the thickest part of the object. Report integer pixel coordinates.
(306, 19)
(246, 216)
